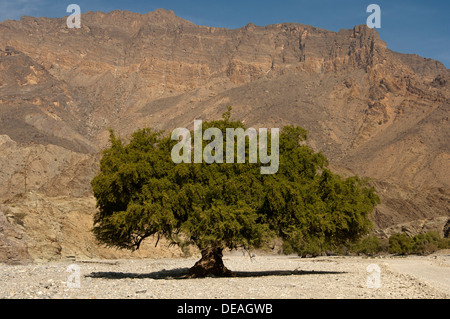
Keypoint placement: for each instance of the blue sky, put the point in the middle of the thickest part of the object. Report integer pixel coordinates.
(408, 26)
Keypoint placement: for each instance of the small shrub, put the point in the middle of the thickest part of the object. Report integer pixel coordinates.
(421, 244)
(370, 245)
(427, 243)
(311, 248)
(342, 250)
(444, 243)
(287, 248)
(400, 244)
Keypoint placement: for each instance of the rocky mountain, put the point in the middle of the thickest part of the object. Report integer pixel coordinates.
(371, 111)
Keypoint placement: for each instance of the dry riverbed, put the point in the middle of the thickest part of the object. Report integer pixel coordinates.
(268, 277)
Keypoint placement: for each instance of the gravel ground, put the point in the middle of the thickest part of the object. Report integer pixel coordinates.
(262, 277)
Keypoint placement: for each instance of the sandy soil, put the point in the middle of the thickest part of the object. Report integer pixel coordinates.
(270, 277)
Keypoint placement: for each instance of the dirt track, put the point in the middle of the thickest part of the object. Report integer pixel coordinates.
(433, 270)
(270, 277)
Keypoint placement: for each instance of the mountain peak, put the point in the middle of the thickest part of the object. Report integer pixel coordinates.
(163, 12)
(363, 104)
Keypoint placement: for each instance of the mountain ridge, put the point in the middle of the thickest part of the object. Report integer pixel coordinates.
(372, 111)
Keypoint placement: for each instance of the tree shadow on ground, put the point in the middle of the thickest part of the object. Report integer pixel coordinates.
(183, 273)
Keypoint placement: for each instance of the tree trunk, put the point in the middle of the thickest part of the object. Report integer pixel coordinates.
(211, 264)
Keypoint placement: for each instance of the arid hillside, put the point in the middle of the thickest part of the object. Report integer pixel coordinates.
(371, 111)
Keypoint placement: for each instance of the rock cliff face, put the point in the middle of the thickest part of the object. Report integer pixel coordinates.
(13, 250)
(371, 111)
(42, 229)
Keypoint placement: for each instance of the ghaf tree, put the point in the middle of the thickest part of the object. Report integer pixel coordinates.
(141, 192)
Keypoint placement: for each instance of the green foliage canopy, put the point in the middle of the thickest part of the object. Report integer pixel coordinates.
(140, 192)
